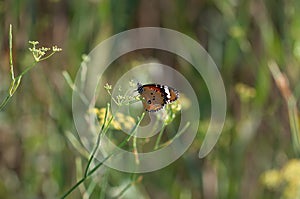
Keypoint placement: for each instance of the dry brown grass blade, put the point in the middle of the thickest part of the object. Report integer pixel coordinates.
(282, 83)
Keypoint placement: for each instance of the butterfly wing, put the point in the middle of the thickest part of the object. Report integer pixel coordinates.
(173, 95)
(155, 96)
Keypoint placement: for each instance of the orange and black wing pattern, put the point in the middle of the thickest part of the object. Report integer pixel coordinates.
(155, 96)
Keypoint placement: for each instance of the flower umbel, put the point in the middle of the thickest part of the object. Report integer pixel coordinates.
(123, 99)
(40, 54)
(120, 121)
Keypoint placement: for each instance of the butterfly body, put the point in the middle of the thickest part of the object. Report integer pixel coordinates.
(156, 96)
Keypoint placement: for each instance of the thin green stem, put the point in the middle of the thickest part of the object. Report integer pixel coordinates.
(85, 177)
(4, 102)
(294, 124)
(133, 180)
(73, 87)
(15, 83)
(135, 150)
(133, 101)
(283, 85)
(135, 127)
(27, 69)
(99, 164)
(10, 53)
(112, 97)
(108, 124)
(102, 162)
(159, 136)
(16, 80)
(176, 136)
(90, 189)
(104, 184)
(123, 190)
(134, 143)
(7, 98)
(74, 187)
(97, 142)
(48, 56)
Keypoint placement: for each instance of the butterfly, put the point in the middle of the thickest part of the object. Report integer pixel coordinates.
(156, 96)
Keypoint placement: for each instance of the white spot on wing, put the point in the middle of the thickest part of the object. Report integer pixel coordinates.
(167, 91)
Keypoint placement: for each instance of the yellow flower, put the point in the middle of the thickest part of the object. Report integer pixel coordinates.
(119, 121)
(128, 126)
(286, 180)
(175, 106)
(291, 171)
(291, 174)
(128, 123)
(245, 92)
(130, 120)
(116, 125)
(120, 117)
(271, 179)
(291, 191)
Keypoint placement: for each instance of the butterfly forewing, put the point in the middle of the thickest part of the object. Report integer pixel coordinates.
(153, 99)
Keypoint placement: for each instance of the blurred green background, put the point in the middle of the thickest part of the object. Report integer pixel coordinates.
(254, 157)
